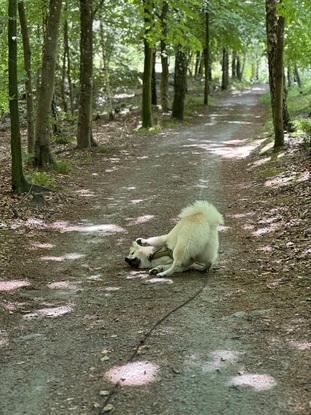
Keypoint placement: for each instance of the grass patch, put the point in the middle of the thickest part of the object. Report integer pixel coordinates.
(62, 167)
(146, 132)
(63, 139)
(270, 171)
(40, 178)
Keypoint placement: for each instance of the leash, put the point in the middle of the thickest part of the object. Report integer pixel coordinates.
(148, 334)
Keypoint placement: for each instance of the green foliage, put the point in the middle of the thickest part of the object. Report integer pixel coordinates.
(40, 178)
(102, 149)
(63, 139)
(304, 125)
(62, 167)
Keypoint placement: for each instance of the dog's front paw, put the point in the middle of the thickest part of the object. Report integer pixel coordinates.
(161, 274)
(141, 242)
(155, 271)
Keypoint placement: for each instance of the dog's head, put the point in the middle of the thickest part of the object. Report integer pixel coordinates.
(140, 256)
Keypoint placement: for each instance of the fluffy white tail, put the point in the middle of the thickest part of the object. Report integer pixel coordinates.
(203, 207)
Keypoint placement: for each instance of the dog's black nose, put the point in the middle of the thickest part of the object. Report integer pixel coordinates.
(133, 262)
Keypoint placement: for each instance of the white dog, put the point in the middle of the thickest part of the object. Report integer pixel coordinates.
(191, 244)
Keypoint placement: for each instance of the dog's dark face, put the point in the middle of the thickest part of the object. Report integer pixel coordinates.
(140, 256)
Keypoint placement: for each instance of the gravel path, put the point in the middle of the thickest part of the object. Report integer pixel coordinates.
(77, 318)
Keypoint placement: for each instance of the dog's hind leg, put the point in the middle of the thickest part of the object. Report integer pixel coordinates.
(179, 264)
(156, 241)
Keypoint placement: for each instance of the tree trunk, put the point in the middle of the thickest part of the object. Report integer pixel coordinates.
(19, 184)
(28, 81)
(234, 65)
(164, 60)
(43, 157)
(64, 71)
(68, 58)
(240, 66)
(180, 85)
(287, 125)
(289, 77)
(86, 74)
(225, 69)
(106, 70)
(206, 54)
(197, 64)
(297, 76)
(154, 99)
(147, 77)
(55, 128)
(275, 47)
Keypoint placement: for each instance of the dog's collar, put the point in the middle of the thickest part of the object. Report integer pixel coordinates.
(160, 253)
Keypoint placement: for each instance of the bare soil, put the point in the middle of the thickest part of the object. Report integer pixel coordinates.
(235, 341)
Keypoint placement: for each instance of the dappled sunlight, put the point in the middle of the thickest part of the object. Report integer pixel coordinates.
(39, 245)
(140, 220)
(133, 374)
(94, 277)
(85, 193)
(62, 285)
(13, 285)
(248, 227)
(230, 149)
(239, 122)
(300, 345)
(159, 281)
(260, 162)
(267, 148)
(268, 229)
(111, 289)
(4, 338)
(241, 215)
(136, 201)
(106, 229)
(50, 312)
(266, 248)
(220, 359)
(256, 381)
(143, 274)
(61, 258)
(224, 228)
(65, 226)
(279, 181)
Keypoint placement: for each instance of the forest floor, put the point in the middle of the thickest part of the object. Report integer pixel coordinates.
(74, 318)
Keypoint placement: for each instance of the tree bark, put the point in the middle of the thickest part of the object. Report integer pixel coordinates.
(180, 84)
(19, 184)
(240, 66)
(28, 81)
(164, 60)
(197, 64)
(64, 71)
(233, 65)
(84, 135)
(154, 98)
(43, 157)
(106, 70)
(147, 76)
(297, 76)
(68, 58)
(206, 54)
(275, 46)
(225, 69)
(289, 77)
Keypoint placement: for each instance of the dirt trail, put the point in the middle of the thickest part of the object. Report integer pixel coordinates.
(84, 312)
